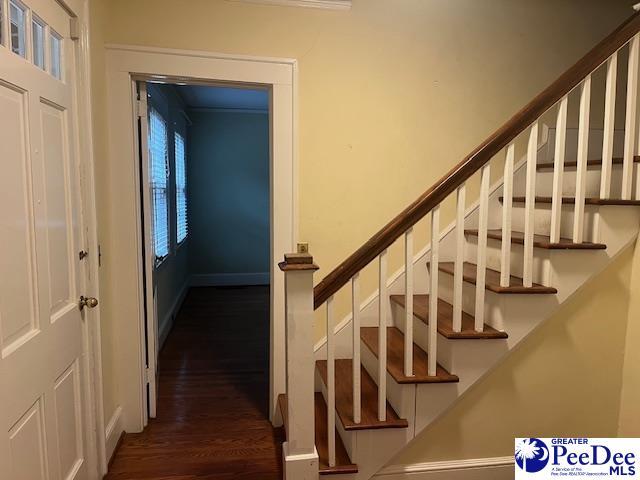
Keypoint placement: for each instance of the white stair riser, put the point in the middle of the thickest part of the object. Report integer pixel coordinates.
(400, 396)
(371, 449)
(494, 259)
(542, 219)
(544, 182)
(493, 301)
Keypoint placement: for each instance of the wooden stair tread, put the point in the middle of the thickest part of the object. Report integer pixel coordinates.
(492, 281)
(369, 398)
(587, 201)
(395, 358)
(590, 163)
(343, 462)
(445, 319)
(542, 241)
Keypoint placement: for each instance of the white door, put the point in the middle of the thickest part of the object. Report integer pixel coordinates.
(41, 327)
(150, 291)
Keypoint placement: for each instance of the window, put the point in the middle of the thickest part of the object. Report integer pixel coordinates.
(158, 176)
(55, 47)
(17, 14)
(37, 29)
(181, 188)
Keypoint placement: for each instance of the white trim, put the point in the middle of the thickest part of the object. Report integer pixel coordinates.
(79, 11)
(230, 279)
(122, 248)
(196, 54)
(112, 432)
(325, 4)
(167, 323)
(478, 468)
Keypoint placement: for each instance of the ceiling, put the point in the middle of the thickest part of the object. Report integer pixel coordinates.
(196, 96)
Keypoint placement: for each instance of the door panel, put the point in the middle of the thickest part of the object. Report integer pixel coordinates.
(27, 433)
(67, 402)
(42, 431)
(57, 224)
(17, 296)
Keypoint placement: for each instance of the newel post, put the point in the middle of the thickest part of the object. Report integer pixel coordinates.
(299, 452)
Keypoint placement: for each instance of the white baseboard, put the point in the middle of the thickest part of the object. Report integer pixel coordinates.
(498, 468)
(230, 279)
(112, 432)
(167, 322)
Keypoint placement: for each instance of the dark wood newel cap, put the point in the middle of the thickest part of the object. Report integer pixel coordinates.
(297, 261)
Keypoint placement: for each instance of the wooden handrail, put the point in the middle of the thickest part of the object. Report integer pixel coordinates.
(474, 161)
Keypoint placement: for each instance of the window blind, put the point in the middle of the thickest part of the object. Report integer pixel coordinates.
(159, 174)
(181, 188)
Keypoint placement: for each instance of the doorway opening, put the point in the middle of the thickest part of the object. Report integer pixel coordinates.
(205, 215)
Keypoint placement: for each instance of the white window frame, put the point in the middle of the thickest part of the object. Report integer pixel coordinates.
(176, 135)
(159, 259)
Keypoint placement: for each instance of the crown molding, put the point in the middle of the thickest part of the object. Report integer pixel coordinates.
(324, 4)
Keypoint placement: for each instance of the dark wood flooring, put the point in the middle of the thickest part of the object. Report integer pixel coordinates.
(212, 420)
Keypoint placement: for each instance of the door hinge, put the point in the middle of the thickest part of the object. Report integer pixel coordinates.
(139, 108)
(74, 28)
(146, 375)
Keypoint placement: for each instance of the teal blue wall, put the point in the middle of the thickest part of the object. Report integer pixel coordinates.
(228, 182)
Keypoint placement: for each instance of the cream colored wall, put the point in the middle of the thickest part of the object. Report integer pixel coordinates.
(629, 425)
(392, 94)
(98, 27)
(564, 381)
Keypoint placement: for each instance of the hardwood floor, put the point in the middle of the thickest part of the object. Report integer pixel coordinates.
(212, 420)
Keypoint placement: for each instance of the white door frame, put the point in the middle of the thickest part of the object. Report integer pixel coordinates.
(122, 244)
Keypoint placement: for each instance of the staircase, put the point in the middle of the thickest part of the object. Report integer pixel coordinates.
(556, 218)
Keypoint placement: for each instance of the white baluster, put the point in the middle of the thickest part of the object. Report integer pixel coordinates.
(481, 262)
(461, 194)
(355, 302)
(331, 385)
(630, 123)
(408, 307)
(507, 203)
(433, 292)
(581, 170)
(609, 126)
(529, 206)
(382, 337)
(558, 169)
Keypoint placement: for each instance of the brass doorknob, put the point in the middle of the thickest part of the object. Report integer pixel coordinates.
(90, 302)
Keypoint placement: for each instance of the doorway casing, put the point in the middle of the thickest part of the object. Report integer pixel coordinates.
(122, 238)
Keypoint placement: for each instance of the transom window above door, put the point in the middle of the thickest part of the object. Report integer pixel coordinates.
(29, 36)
